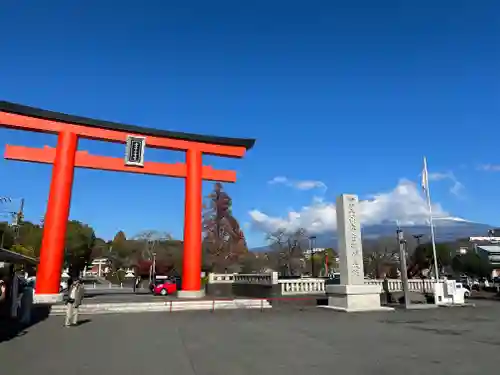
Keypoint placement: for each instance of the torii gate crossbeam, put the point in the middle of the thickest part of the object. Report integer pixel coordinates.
(65, 157)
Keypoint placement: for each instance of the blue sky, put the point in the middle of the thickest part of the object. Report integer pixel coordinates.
(341, 98)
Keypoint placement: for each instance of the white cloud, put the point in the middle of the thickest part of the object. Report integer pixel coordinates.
(489, 167)
(298, 184)
(404, 204)
(457, 187)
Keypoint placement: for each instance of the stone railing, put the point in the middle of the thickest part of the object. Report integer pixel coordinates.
(243, 278)
(395, 285)
(286, 286)
(302, 286)
(310, 285)
(221, 278)
(260, 279)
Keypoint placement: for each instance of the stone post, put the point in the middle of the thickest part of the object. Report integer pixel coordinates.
(352, 294)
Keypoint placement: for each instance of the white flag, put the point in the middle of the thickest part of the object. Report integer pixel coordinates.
(425, 177)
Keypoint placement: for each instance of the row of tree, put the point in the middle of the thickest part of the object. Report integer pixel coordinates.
(225, 249)
(224, 243)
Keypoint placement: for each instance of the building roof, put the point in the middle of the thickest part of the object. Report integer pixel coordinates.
(490, 248)
(12, 257)
(23, 110)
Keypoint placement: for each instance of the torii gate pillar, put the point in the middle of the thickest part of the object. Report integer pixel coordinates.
(56, 219)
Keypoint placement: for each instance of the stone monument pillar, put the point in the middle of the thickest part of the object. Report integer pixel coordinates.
(352, 294)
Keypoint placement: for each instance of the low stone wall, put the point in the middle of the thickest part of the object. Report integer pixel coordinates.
(243, 285)
(269, 286)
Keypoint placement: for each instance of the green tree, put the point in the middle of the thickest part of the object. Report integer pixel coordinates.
(23, 250)
(100, 249)
(423, 258)
(6, 236)
(472, 264)
(80, 240)
(119, 251)
(30, 235)
(120, 275)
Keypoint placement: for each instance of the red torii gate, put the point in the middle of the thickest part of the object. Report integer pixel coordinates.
(65, 157)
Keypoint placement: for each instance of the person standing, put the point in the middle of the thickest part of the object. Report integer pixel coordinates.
(137, 283)
(3, 299)
(14, 292)
(75, 298)
(27, 302)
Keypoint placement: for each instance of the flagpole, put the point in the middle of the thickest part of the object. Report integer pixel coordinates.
(431, 221)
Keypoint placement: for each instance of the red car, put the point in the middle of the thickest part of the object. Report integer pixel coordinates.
(164, 286)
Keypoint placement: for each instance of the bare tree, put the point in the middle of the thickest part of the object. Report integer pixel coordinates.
(150, 240)
(290, 249)
(380, 263)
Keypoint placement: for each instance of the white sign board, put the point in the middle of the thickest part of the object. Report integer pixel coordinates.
(134, 151)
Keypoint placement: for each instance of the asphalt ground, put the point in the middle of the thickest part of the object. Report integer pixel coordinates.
(462, 340)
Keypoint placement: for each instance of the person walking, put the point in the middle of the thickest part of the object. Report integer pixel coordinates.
(73, 302)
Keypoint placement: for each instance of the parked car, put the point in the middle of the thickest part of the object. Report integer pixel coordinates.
(158, 279)
(466, 290)
(163, 286)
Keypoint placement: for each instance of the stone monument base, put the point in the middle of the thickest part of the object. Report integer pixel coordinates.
(191, 294)
(354, 298)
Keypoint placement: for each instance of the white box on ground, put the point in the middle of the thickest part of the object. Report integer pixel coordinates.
(447, 293)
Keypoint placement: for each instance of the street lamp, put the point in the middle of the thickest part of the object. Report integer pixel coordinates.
(418, 237)
(402, 262)
(312, 241)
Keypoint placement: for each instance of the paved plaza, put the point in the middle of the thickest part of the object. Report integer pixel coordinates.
(311, 340)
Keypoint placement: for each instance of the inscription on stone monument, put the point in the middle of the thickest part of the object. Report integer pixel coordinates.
(349, 236)
(354, 245)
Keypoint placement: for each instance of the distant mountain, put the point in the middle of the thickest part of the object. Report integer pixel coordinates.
(446, 230)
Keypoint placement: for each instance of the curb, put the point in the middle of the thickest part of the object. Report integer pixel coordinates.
(117, 308)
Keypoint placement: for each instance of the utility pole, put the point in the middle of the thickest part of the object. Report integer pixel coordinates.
(154, 266)
(402, 262)
(17, 220)
(4, 200)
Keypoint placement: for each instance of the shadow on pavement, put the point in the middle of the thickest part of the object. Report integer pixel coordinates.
(83, 321)
(10, 329)
(98, 294)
